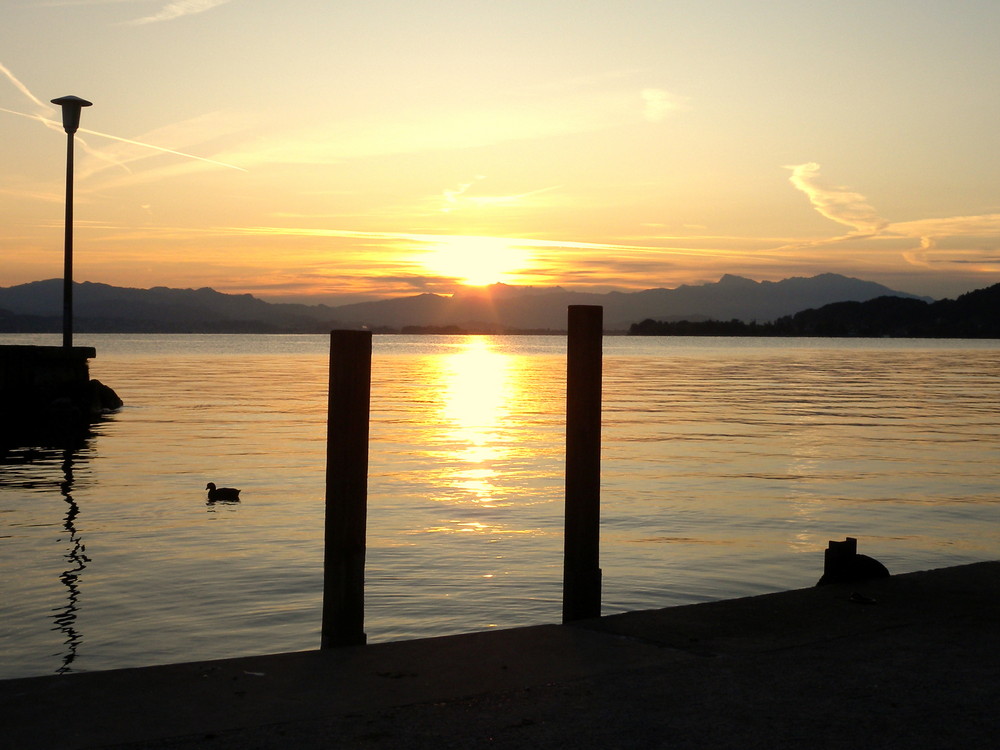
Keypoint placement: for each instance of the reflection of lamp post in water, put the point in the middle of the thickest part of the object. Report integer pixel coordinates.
(71, 106)
(76, 555)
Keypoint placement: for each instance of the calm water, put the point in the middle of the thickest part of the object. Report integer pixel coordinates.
(728, 464)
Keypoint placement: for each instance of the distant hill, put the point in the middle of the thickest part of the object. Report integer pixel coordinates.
(102, 308)
(972, 315)
(540, 309)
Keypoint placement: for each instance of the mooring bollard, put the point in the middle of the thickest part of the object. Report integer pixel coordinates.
(581, 558)
(843, 564)
(346, 489)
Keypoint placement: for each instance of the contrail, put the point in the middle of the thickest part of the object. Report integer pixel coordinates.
(57, 126)
(178, 9)
(164, 150)
(22, 88)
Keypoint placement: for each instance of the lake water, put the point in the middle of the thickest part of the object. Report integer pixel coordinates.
(727, 466)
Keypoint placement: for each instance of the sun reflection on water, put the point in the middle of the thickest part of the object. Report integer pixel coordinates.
(466, 431)
(477, 388)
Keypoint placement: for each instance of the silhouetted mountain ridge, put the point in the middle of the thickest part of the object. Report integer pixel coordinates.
(972, 315)
(104, 308)
(975, 314)
(37, 306)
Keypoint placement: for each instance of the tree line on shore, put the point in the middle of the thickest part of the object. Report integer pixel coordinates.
(972, 315)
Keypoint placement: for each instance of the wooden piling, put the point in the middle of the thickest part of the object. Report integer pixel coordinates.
(581, 559)
(346, 489)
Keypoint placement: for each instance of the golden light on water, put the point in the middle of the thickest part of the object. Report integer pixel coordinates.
(477, 380)
(462, 425)
(477, 389)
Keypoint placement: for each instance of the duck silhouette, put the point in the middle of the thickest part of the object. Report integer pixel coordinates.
(225, 494)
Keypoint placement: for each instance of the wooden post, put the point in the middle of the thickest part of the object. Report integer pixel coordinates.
(581, 559)
(346, 489)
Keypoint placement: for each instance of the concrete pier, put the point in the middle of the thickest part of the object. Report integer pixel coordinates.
(47, 389)
(907, 661)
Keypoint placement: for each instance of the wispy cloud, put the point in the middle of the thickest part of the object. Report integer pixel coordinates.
(533, 116)
(458, 198)
(35, 195)
(966, 226)
(178, 9)
(954, 239)
(836, 203)
(966, 240)
(660, 104)
(637, 250)
(589, 264)
(71, 3)
(452, 196)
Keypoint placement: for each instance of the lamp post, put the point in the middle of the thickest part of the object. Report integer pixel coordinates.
(71, 106)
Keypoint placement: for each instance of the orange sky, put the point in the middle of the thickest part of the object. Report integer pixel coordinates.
(319, 150)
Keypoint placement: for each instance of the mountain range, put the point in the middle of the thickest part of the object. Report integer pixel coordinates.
(37, 307)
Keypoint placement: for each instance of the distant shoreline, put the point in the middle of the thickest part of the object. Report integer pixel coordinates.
(975, 315)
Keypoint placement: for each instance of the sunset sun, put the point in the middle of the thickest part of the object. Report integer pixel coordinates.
(476, 261)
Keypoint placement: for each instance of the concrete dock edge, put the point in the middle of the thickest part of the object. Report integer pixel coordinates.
(907, 661)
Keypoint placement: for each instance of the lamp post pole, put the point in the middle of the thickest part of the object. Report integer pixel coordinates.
(71, 106)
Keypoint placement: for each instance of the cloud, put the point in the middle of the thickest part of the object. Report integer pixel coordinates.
(458, 198)
(836, 203)
(35, 195)
(952, 226)
(953, 239)
(72, 3)
(452, 196)
(438, 131)
(921, 256)
(531, 117)
(620, 252)
(947, 240)
(178, 9)
(971, 235)
(660, 104)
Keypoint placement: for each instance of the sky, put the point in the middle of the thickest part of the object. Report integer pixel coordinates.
(322, 150)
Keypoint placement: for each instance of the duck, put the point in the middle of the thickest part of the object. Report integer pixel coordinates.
(225, 494)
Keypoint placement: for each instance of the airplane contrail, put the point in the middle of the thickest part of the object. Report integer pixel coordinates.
(164, 150)
(57, 126)
(22, 88)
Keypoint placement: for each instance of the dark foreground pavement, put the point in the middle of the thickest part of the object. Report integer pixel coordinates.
(917, 667)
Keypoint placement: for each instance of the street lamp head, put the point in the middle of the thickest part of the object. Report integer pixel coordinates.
(71, 106)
